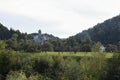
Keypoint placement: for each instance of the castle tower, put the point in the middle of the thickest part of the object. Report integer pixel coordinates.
(39, 32)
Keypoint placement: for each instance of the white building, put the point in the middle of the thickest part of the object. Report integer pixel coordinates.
(102, 49)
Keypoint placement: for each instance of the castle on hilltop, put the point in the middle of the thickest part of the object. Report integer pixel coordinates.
(41, 38)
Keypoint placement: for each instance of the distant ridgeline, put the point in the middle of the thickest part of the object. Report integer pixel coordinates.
(6, 34)
(107, 32)
(41, 38)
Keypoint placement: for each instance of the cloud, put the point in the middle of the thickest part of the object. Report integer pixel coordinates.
(25, 23)
(62, 18)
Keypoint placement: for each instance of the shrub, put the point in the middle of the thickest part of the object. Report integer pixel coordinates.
(16, 76)
(113, 72)
(6, 61)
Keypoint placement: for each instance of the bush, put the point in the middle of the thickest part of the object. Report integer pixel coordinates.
(72, 69)
(43, 65)
(6, 61)
(113, 72)
(93, 68)
(16, 75)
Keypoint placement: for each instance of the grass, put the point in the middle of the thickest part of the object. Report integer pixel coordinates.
(78, 54)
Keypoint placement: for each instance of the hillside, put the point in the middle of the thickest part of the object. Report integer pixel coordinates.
(106, 32)
(6, 33)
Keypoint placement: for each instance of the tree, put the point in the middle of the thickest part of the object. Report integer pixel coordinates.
(57, 45)
(86, 48)
(93, 68)
(2, 45)
(86, 45)
(14, 36)
(6, 60)
(118, 47)
(13, 43)
(4, 32)
(47, 47)
(72, 69)
(113, 71)
(16, 75)
(96, 47)
(111, 48)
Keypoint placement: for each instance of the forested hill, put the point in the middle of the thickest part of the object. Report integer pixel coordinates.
(6, 34)
(107, 32)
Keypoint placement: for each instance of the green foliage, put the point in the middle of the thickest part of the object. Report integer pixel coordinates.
(118, 47)
(86, 45)
(106, 32)
(15, 36)
(114, 68)
(47, 47)
(12, 44)
(86, 48)
(30, 46)
(16, 76)
(57, 66)
(111, 48)
(72, 69)
(2, 45)
(6, 34)
(96, 47)
(6, 61)
(92, 68)
(58, 45)
(43, 65)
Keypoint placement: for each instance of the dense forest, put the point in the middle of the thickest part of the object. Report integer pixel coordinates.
(6, 34)
(106, 32)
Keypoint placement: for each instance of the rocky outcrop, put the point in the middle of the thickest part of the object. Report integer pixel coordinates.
(41, 38)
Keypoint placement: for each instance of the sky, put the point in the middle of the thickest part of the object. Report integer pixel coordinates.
(62, 18)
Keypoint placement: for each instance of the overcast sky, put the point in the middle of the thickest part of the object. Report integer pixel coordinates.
(62, 18)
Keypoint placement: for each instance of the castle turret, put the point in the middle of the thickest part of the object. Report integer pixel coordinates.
(39, 32)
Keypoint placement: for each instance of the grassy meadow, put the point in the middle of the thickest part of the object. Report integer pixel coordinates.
(71, 54)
